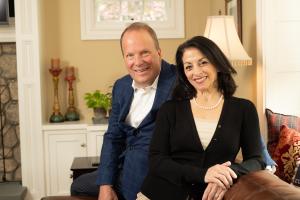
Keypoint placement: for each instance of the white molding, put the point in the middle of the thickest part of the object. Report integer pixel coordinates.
(90, 30)
(29, 91)
(261, 71)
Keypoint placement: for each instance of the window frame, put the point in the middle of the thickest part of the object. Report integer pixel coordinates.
(91, 30)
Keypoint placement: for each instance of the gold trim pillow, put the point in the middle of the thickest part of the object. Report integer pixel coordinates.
(275, 121)
(286, 153)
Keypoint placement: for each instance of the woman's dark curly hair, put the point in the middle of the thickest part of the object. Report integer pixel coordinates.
(226, 84)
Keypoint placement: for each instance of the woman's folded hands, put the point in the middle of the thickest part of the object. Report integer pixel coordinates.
(219, 178)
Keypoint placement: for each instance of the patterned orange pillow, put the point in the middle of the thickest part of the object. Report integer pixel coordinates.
(275, 121)
(286, 153)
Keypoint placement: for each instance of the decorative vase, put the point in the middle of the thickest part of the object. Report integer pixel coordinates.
(99, 116)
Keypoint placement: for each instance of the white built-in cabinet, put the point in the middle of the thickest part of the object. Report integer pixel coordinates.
(64, 142)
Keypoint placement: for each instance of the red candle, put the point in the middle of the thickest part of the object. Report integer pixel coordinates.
(70, 71)
(55, 63)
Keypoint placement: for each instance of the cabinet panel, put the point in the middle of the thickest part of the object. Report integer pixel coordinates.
(63, 146)
(95, 139)
(99, 142)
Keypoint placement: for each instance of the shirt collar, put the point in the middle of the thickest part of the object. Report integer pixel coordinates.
(152, 86)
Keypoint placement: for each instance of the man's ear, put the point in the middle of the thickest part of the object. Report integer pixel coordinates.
(159, 53)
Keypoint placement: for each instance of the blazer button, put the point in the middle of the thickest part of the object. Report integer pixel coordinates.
(219, 126)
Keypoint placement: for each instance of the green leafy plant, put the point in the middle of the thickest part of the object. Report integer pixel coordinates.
(98, 99)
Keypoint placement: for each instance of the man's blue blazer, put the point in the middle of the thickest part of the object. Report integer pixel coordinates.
(124, 155)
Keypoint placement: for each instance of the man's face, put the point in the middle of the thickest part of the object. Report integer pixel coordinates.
(141, 57)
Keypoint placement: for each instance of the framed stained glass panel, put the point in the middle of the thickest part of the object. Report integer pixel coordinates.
(106, 19)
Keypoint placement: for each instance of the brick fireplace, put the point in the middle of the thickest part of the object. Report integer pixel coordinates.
(9, 115)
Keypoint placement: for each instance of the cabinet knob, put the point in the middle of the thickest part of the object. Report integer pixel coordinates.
(83, 145)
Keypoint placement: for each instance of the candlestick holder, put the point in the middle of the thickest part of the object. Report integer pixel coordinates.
(71, 114)
(55, 70)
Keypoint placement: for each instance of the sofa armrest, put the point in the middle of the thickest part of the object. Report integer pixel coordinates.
(262, 185)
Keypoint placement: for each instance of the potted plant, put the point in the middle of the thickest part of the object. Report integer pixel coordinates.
(100, 103)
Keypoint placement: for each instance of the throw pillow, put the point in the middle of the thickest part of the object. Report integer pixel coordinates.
(286, 153)
(274, 121)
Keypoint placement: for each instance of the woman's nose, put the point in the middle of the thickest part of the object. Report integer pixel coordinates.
(198, 69)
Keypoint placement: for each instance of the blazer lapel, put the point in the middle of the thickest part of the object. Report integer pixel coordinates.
(125, 104)
(164, 89)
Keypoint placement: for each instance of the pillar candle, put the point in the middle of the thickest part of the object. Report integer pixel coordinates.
(55, 63)
(70, 71)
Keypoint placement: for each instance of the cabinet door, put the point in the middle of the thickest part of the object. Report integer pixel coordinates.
(62, 148)
(95, 139)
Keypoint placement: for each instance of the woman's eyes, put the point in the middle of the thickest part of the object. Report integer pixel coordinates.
(203, 63)
(188, 67)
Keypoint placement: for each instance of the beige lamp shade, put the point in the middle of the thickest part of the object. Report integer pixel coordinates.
(221, 29)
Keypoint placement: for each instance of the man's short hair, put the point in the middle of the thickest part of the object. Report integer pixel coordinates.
(140, 26)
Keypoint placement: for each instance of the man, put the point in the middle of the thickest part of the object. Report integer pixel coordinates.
(136, 100)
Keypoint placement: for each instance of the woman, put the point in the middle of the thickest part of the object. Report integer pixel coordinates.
(199, 133)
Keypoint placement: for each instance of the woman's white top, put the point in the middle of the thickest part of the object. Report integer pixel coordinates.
(206, 130)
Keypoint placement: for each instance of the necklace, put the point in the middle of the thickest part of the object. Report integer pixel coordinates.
(208, 107)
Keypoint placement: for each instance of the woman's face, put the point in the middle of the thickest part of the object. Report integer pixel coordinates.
(199, 71)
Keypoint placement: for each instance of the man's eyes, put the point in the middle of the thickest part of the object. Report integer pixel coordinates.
(143, 54)
(129, 55)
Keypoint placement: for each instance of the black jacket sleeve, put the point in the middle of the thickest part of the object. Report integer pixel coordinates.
(250, 142)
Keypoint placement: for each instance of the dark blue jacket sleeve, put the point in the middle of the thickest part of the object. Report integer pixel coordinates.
(113, 144)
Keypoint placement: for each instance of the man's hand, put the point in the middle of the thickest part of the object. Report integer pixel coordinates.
(222, 175)
(106, 192)
(213, 192)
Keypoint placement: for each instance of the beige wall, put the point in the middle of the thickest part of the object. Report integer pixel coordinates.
(99, 63)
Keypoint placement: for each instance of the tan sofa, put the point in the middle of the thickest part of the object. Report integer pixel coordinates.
(261, 185)
(68, 198)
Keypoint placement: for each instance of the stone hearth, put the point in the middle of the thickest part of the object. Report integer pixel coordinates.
(9, 113)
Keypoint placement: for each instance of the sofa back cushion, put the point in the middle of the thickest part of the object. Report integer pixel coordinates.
(275, 121)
